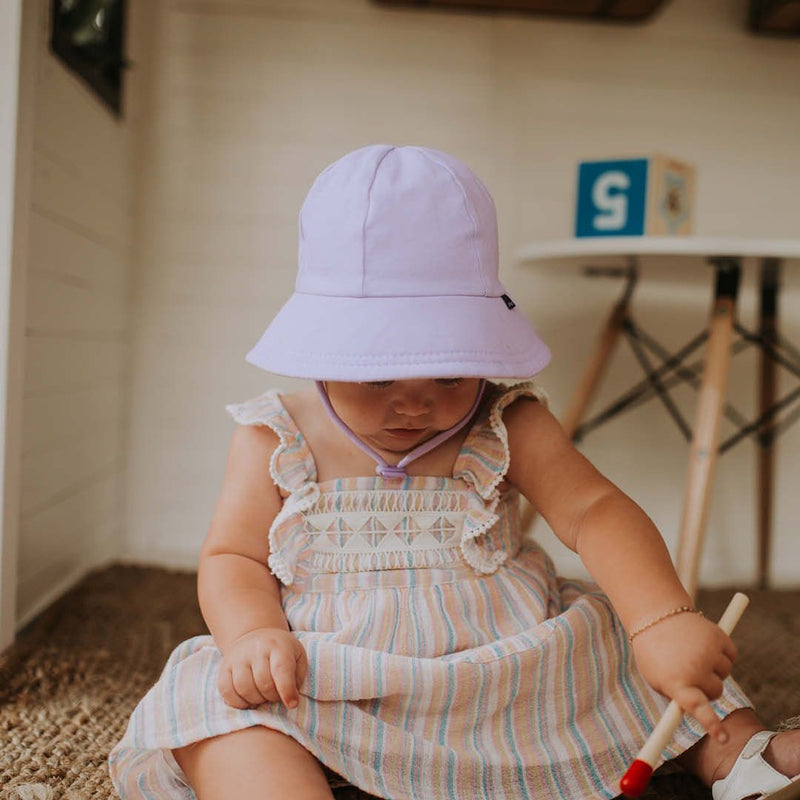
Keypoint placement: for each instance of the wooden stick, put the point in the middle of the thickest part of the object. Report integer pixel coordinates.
(635, 780)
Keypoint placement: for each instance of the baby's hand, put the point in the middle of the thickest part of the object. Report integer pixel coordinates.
(686, 658)
(262, 666)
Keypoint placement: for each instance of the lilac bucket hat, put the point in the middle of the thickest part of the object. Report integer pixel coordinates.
(398, 278)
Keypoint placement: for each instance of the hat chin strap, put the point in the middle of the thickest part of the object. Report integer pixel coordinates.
(398, 470)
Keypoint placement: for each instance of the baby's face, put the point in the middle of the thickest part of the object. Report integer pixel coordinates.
(399, 415)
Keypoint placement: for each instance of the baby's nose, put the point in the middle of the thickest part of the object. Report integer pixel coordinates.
(412, 403)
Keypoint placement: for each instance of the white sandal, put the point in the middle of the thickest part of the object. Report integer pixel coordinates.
(753, 777)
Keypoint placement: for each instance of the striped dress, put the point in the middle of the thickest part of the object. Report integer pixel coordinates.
(446, 658)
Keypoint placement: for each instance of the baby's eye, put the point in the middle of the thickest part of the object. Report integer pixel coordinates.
(449, 381)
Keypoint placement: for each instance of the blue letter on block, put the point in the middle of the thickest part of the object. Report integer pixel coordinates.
(611, 198)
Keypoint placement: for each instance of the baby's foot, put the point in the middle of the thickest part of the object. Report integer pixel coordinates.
(783, 753)
(765, 766)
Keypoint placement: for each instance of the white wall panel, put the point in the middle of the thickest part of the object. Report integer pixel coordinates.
(78, 329)
(253, 99)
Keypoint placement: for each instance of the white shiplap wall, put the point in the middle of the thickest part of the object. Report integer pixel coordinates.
(253, 99)
(695, 84)
(78, 326)
(15, 74)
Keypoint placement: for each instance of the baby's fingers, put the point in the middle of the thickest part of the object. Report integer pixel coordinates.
(723, 667)
(244, 683)
(283, 667)
(263, 679)
(695, 702)
(301, 665)
(730, 649)
(227, 688)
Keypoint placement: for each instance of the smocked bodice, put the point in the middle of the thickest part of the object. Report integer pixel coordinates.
(370, 523)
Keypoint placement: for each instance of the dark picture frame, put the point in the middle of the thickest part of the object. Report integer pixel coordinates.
(775, 17)
(88, 36)
(604, 10)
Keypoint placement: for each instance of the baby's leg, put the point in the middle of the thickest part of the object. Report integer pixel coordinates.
(258, 763)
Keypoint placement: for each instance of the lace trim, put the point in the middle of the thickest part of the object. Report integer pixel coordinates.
(287, 546)
(499, 427)
(291, 465)
(358, 543)
(393, 529)
(371, 562)
(484, 468)
(292, 468)
(484, 459)
(382, 532)
(390, 501)
(475, 552)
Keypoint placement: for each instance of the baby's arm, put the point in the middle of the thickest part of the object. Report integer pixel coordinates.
(685, 656)
(239, 597)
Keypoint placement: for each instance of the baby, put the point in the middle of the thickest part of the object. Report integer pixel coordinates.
(373, 605)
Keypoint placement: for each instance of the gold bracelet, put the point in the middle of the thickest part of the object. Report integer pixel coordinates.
(671, 613)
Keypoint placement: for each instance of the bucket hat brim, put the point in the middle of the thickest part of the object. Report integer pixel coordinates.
(415, 337)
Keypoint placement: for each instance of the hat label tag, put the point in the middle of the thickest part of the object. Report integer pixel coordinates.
(508, 301)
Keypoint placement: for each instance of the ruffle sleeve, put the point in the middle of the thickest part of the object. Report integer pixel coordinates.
(293, 470)
(483, 464)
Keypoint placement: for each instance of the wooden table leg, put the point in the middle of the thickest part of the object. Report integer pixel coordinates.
(705, 437)
(590, 380)
(767, 328)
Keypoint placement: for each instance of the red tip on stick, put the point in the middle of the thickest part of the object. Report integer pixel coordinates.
(635, 780)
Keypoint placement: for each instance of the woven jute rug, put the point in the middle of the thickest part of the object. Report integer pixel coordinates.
(70, 682)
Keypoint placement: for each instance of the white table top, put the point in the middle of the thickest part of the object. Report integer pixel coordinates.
(659, 245)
